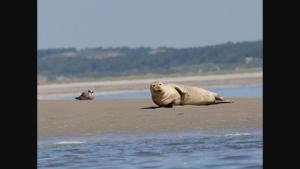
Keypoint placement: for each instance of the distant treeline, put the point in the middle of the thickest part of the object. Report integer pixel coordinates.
(120, 61)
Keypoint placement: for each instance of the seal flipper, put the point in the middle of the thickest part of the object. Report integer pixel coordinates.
(223, 101)
(182, 93)
(170, 105)
(179, 89)
(220, 99)
(217, 97)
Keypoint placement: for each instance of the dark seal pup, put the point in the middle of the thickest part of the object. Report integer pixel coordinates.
(86, 95)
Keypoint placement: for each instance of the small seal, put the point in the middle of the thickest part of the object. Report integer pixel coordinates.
(86, 95)
(167, 95)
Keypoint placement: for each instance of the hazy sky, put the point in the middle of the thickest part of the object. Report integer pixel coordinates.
(153, 23)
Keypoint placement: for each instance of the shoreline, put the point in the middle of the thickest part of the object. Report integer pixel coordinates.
(72, 95)
(64, 118)
(207, 81)
(188, 132)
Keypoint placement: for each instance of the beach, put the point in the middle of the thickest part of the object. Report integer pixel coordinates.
(96, 117)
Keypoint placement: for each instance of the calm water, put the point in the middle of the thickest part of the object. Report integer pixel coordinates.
(222, 150)
(247, 91)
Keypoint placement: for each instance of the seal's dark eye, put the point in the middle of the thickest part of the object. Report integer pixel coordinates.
(159, 84)
(153, 85)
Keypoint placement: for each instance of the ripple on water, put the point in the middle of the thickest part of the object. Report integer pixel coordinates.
(193, 150)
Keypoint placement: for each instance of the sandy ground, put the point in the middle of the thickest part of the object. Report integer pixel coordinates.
(142, 84)
(77, 118)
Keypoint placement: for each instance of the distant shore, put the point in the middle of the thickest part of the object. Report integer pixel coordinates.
(216, 80)
(80, 118)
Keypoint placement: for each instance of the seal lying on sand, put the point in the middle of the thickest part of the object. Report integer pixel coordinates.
(167, 95)
(86, 95)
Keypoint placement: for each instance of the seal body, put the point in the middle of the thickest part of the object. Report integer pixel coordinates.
(197, 96)
(86, 95)
(167, 95)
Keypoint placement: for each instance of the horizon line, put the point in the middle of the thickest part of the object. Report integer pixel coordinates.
(144, 46)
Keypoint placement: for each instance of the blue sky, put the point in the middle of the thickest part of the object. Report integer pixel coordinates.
(149, 23)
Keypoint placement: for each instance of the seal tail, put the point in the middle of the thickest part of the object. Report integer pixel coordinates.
(223, 101)
(220, 99)
(217, 97)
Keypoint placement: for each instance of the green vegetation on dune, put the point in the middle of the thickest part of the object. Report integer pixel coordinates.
(123, 61)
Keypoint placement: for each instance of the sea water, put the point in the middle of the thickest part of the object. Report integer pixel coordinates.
(197, 149)
(244, 91)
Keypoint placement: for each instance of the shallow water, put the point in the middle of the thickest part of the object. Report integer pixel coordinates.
(209, 149)
(245, 91)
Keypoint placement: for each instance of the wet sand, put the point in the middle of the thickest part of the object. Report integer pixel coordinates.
(78, 118)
